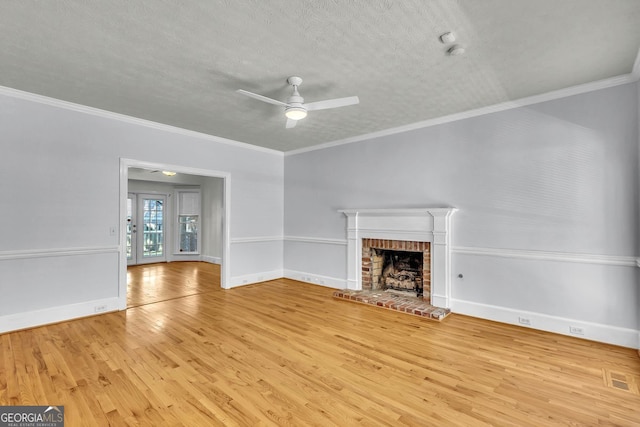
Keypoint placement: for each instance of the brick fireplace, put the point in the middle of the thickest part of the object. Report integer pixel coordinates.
(397, 265)
(428, 229)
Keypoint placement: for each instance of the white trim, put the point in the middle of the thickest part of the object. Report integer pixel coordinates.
(316, 279)
(415, 224)
(625, 261)
(59, 252)
(41, 99)
(549, 96)
(125, 164)
(250, 279)
(212, 259)
(508, 105)
(616, 260)
(257, 239)
(398, 212)
(625, 337)
(321, 240)
(30, 319)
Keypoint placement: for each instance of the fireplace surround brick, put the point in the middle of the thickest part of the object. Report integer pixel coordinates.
(368, 245)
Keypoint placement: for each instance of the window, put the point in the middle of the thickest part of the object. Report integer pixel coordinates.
(188, 233)
(188, 229)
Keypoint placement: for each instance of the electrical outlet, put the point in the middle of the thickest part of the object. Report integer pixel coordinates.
(100, 308)
(575, 330)
(524, 321)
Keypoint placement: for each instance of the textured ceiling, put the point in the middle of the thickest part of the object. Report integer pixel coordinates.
(180, 63)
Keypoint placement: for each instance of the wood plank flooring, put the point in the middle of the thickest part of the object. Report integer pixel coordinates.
(286, 353)
(151, 283)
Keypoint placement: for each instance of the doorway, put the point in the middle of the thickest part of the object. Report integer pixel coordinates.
(145, 228)
(126, 231)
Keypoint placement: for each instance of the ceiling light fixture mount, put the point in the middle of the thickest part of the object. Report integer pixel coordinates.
(448, 37)
(295, 109)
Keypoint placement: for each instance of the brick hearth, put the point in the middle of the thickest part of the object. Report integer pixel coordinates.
(409, 304)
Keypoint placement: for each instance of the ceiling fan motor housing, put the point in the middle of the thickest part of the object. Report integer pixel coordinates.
(295, 109)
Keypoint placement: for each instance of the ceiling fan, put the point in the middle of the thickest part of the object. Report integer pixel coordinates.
(295, 108)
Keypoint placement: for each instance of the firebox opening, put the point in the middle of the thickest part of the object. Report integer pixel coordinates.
(398, 270)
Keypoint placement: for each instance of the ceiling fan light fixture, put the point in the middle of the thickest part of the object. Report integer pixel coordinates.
(295, 113)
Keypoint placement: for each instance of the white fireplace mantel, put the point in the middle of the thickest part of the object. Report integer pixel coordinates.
(415, 224)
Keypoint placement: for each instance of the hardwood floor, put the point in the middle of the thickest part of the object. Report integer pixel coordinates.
(286, 353)
(149, 283)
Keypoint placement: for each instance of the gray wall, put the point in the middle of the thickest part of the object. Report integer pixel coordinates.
(548, 208)
(547, 226)
(212, 217)
(59, 182)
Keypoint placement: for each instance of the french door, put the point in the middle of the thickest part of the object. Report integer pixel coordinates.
(146, 228)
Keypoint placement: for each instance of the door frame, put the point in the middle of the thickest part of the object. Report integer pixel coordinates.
(134, 236)
(125, 164)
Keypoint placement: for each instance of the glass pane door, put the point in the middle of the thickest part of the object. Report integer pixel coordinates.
(145, 228)
(153, 231)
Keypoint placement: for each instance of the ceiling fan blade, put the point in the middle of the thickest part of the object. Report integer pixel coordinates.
(332, 103)
(290, 124)
(262, 98)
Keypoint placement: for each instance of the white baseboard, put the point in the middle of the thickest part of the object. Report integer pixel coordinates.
(212, 259)
(31, 319)
(591, 331)
(316, 279)
(439, 300)
(249, 279)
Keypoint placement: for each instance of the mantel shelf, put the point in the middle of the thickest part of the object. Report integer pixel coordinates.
(399, 212)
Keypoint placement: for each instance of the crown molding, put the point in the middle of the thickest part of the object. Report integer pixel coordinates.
(632, 77)
(508, 105)
(41, 99)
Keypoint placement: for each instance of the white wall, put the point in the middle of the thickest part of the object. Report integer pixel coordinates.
(548, 209)
(638, 202)
(59, 183)
(213, 215)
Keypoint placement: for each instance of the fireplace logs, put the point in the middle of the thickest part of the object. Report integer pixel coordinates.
(402, 271)
(397, 265)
